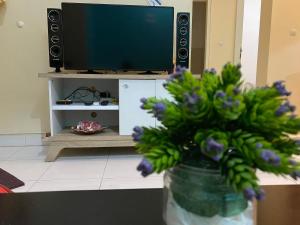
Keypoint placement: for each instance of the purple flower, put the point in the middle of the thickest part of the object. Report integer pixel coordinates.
(237, 103)
(179, 72)
(249, 194)
(259, 145)
(270, 157)
(213, 149)
(217, 158)
(220, 94)
(230, 99)
(211, 71)
(159, 107)
(280, 87)
(138, 133)
(227, 104)
(177, 75)
(236, 90)
(145, 167)
(295, 174)
(180, 69)
(138, 129)
(144, 102)
(293, 162)
(191, 100)
(260, 195)
(213, 145)
(291, 107)
(297, 142)
(158, 110)
(284, 108)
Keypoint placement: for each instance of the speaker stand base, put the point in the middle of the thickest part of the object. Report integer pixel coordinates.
(148, 73)
(89, 72)
(57, 70)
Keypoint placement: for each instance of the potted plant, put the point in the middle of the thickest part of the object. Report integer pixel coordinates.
(213, 138)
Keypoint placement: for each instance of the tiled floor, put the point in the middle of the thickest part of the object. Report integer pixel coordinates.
(86, 169)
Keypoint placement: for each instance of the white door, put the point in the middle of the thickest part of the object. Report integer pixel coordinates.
(250, 40)
(130, 114)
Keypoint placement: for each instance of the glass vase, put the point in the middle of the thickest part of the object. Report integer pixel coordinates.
(198, 196)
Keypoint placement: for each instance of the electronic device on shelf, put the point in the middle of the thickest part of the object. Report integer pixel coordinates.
(88, 96)
(104, 103)
(88, 103)
(117, 37)
(64, 102)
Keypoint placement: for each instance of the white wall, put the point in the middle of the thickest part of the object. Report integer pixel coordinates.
(250, 40)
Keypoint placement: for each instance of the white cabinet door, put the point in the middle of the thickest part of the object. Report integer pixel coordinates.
(130, 114)
(161, 92)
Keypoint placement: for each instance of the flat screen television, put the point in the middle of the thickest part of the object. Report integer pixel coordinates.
(117, 37)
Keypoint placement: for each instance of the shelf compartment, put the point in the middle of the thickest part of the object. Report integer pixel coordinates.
(109, 138)
(81, 106)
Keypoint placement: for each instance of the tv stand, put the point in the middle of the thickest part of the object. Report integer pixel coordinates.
(119, 118)
(89, 72)
(148, 73)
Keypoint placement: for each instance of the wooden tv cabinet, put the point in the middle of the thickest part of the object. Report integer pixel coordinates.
(120, 119)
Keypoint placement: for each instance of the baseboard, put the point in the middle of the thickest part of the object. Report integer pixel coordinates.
(10, 140)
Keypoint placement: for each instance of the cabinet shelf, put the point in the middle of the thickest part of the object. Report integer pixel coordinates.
(81, 106)
(109, 134)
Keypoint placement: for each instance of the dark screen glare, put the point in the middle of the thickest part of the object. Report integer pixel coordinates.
(117, 37)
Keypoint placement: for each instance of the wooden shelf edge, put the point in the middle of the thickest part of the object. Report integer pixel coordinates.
(109, 135)
(102, 76)
(54, 75)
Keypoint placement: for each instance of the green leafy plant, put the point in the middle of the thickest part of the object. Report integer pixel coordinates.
(213, 119)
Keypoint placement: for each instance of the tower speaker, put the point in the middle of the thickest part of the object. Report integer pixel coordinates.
(183, 40)
(55, 38)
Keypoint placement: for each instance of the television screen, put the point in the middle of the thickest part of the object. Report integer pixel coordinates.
(117, 37)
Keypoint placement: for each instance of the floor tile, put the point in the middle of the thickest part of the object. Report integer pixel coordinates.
(122, 151)
(30, 170)
(132, 183)
(76, 169)
(28, 185)
(65, 185)
(121, 166)
(85, 153)
(29, 153)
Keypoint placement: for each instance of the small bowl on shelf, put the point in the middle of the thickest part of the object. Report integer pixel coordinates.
(88, 128)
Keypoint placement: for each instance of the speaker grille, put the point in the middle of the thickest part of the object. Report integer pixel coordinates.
(183, 39)
(55, 38)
